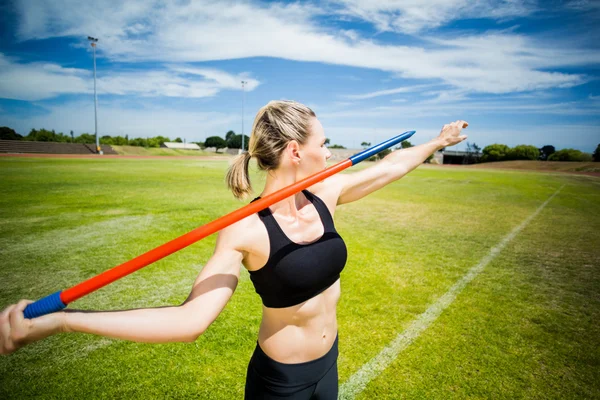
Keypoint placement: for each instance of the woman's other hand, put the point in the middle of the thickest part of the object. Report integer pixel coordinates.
(450, 134)
(16, 331)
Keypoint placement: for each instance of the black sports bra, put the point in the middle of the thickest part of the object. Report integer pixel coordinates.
(296, 272)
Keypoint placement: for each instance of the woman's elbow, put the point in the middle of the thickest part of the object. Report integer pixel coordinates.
(193, 328)
(192, 336)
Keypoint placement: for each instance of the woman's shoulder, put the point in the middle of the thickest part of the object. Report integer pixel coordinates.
(328, 191)
(248, 236)
(243, 234)
(241, 229)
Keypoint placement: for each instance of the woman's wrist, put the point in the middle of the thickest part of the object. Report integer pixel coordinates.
(439, 143)
(63, 326)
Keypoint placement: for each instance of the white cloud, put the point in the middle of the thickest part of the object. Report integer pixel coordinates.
(174, 81)
(583, 5)
(223, 79)
(137, 30)
(445, 96)
(39, 80)
(413, 16)
(403, 89)
(456, 108)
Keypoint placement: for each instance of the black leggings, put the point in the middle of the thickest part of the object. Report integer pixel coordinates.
(269, 379)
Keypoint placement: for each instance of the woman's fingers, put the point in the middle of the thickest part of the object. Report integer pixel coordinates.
(18, 331)
(13, 327)
(16, 321)
(6, 345)
(451, 133)
(16, 314)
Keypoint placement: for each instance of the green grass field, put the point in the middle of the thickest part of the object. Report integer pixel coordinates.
(525, 327)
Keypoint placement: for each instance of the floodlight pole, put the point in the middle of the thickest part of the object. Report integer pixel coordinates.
(243, 100)
(98, 150)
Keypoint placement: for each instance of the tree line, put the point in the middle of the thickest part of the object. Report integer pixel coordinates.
(44, 135)
(502, 152)
(493, 152)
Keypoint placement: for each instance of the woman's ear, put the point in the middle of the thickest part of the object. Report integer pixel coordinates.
(293, 151)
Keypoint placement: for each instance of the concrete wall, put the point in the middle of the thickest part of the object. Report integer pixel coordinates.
(342, 154)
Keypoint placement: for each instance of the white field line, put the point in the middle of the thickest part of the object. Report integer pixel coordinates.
(369, 371)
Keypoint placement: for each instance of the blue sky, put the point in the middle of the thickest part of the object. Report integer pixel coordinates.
(519, 71)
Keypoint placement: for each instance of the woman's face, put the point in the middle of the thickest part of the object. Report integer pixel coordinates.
(314, 151)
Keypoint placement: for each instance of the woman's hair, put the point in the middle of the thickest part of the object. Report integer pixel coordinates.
(275, 125)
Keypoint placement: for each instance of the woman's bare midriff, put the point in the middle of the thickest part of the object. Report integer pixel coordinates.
(303, 332)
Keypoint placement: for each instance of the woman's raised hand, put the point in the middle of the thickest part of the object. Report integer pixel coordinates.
(450, 134)
(16, 331)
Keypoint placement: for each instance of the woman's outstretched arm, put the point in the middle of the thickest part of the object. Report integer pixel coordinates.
(354, 186)
(211, 291)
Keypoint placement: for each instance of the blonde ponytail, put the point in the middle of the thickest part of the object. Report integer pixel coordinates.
(238, 177)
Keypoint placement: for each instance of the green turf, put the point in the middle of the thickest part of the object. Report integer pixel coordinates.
(526, 327)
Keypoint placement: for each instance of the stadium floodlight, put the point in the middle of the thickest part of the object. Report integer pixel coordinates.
(59, 300)
(243, 100)
(93, 43)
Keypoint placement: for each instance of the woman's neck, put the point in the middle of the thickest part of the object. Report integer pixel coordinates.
(277, 180)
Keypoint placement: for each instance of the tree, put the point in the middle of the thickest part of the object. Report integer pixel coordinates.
(7, 133)
(235, 142)
(495, 152)
(570, 155)
(545, 152)
(380, 155)
(326, 141)
(41, 135)
(141, 142)
(473, 153)
(72, 136)
(178, 140)
(215, 141)
(86, 138)
(106, 139)
(119, 140)
(336, 146)
(157, 141)
(44, 135)
(365, 144)
(405, 144)
(596, 154)
(229, 135)
(524, 152)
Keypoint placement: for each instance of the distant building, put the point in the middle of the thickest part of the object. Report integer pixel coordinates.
(458, 157)
(177, 145)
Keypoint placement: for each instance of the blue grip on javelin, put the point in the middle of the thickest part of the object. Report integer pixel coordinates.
(43, 306)
(358, 157)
